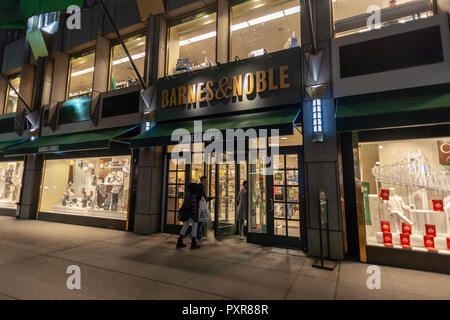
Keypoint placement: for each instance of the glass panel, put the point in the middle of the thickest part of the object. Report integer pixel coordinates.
(192, 44)
(11, 102)
(292, 194)
(294, 229)
(197, 170)
(211, 173)
(278, 194)
(172, 177)
(292, 161)
(170, 217)
(242, 173)
(278, 178)
(180, 192)
(258, 201)
(181, 178)
(278, 161)
(96, 187)
(10, 183)
(260, 25)
(172, 191)
(292, 177)
(171, 204)
(81, 75)
(279, 210)
(406, 193)
(173, 165)
(398, 11)
(122, 72)
(227, 191)
(181, 164)
(293, 211)
(180, 203)
(280, 227)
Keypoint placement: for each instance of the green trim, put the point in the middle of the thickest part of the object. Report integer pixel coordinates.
(7, 144)
(99, 139)
(161, 134)
(201, 14)
(417, 99)
(76, 110)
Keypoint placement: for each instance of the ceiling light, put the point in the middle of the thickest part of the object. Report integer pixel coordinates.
(203, 36)
(292, 10)
(79, 73)
(124, 60)
(267, 18)
(240, 26)
(184, 43)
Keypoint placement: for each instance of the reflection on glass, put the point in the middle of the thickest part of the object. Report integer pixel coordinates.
(294, 229)
(398, 11)
(292, 161)
(292, 177)
(122, 72)
(11, 101)
(278, 193)
(227, 192)
(96, 187)
(259, 25)
(192, 43)
(10, 183)
(280, 227)
(81, 75)
(278, 178)
(279, 210)
(258, 201)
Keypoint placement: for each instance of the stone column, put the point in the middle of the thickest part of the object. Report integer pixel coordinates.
(321, 165)
(149, 167)
(223, 31)
(101, 74)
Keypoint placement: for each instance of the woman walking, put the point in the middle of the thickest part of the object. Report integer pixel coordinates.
(189, 214)
(243, 208)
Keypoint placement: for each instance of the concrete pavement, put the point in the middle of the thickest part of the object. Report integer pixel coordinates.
(34, 256)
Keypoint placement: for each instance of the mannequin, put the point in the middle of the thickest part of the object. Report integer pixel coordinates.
(396, 207)
(292, 42)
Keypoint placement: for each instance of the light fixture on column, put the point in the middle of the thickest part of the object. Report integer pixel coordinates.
(316, 93)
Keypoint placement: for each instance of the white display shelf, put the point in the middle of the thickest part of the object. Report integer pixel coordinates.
(7, 204)
(399, 247)
(89, 212)
(440, 241)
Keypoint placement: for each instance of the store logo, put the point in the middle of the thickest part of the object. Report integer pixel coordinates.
(374, 280)
(235, 142)
(74, 280)
(238, 86)
(48, 149)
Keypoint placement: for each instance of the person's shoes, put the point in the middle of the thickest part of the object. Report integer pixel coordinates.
(202, 239)
(194, 244)
(180, 243)
(242, 238)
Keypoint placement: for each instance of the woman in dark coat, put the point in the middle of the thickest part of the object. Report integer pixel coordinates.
(243, 208)
(189, 214)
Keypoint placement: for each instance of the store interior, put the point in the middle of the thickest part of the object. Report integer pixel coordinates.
(406, 188)
(81, 75)
(95, 187)
(10, 183)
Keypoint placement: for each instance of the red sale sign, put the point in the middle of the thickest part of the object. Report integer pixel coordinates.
(428, 242)
(406, 228)
(430, 230)
(438, 205)
(384, 194)
(405, 240)
(387, 239)
(448, 243)
(385, 226)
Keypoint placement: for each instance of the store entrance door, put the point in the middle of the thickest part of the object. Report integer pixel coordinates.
(276, 205)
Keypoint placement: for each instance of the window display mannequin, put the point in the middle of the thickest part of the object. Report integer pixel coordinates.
(396, 208)
(292, 42)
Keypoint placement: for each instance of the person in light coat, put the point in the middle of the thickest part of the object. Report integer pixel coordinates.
(243, 208)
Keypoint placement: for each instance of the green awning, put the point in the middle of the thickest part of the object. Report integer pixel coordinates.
(15, 13)
(100, 139)
(280, 119)
(392, 106)
(6, 144)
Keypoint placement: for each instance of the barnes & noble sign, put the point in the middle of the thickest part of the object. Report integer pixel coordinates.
(249, 84)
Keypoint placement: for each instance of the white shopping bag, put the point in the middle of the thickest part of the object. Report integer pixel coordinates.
(204, 214)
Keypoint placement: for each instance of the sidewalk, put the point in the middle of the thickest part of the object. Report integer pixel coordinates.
(34, 256)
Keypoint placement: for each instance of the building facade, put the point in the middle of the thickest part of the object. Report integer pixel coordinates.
(332, 111)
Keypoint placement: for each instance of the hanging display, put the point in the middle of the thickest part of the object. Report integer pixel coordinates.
(10, 183)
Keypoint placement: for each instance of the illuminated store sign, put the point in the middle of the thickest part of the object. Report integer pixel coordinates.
(254, 83)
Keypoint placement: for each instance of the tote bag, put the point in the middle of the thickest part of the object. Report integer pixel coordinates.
(204, 214)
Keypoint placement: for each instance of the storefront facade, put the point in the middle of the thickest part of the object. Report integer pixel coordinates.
(259, 99)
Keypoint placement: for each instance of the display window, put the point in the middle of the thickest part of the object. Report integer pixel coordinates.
(122, 72)
(352, 16)
(11, 96)
(406, 192)
(10, 183)
(259, 26)
(192, 43)
(81, 75)
(94, 187)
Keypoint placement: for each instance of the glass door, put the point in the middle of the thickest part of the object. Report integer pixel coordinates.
(226, 199)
